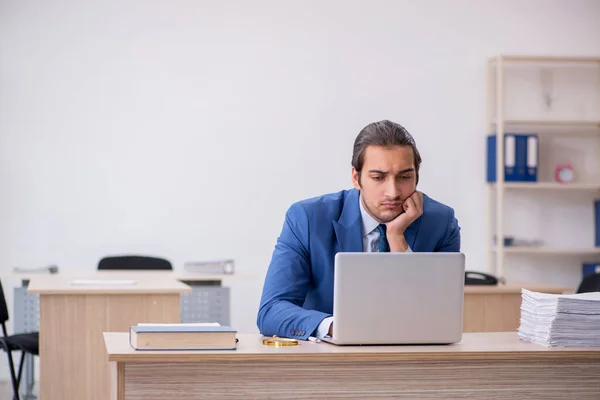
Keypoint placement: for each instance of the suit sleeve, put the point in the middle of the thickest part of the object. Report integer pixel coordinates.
(287, 282)
(451, 240)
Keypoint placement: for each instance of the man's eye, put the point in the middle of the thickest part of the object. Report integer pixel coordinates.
(377, 178)
(405, 177)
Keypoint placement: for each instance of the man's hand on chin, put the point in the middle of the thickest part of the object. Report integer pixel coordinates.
(413, 209)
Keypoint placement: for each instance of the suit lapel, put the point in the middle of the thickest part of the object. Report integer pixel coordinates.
(410, 234)
(348, 229)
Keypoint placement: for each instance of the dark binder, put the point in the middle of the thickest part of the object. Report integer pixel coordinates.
(597, 222)
(590, 268)
(515, 157)
(521, 157)
(532, 157)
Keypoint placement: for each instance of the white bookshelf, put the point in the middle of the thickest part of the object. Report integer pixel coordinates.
(582, 119)
(592, 124)
(574, 186)
(550, 251)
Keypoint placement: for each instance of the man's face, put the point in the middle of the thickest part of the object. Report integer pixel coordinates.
(387, 179)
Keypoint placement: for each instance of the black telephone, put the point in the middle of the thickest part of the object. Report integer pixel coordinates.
(479, 278)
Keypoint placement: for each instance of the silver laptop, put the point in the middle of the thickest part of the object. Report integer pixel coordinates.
(398, 298)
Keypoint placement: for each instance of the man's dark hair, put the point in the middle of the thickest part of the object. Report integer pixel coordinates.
(383, 133)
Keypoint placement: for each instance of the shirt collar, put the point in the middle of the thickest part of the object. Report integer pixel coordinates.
(368, 222)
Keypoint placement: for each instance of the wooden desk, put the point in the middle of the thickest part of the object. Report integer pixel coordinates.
(178, 274)
(206, 288)
(498, 308)
(483, 365)
(73, 361)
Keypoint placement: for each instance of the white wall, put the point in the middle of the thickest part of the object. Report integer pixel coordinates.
(185, 129)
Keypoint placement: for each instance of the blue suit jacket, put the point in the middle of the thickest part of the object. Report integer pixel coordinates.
(298, 289)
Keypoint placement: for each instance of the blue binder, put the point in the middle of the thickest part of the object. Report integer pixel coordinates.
(521, 157)
(590, 268)
(515, 157)
(532, 150)
(597, 222)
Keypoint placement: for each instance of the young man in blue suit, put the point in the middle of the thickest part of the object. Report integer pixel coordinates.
(384, 212)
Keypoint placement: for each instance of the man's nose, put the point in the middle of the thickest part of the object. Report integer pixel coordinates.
(391, 189)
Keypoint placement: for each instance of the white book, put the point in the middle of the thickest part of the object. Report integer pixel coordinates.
(181, 324)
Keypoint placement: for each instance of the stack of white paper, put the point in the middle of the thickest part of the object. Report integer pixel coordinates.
(560, 320)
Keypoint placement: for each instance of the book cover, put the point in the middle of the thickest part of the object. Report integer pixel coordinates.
(179, 337)
(177, 328)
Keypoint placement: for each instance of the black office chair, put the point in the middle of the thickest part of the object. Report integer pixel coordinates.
(590, 283)
(134, 263)
(23, 342)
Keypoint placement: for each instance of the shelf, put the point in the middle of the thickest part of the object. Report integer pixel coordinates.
(534, 250)
(514, 82)
(545, 59)
(541, 122)
(550, 186)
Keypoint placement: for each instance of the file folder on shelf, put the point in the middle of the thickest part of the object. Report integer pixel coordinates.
(590, 268)
(532, 149)
(597, 222)
(515, 158)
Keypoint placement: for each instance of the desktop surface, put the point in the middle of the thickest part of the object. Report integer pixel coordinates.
(481, 365)
(107, 283)
(473, 346)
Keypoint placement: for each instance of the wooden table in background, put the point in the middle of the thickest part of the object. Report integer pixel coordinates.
(73, 362)
(483, 366)
(498, 308)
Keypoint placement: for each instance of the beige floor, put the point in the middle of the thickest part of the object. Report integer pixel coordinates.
(6, 391)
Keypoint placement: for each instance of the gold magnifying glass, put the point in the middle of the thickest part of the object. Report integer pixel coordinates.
(279, 342)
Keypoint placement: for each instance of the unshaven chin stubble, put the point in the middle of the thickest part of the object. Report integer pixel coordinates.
(378, 216)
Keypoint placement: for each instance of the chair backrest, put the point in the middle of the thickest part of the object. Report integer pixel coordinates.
(3, 310)
(133, 263)
(590, 283)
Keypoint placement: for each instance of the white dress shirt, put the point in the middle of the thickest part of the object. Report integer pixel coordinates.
(370, 245)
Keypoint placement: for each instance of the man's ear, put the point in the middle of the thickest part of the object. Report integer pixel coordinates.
(356, 178)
